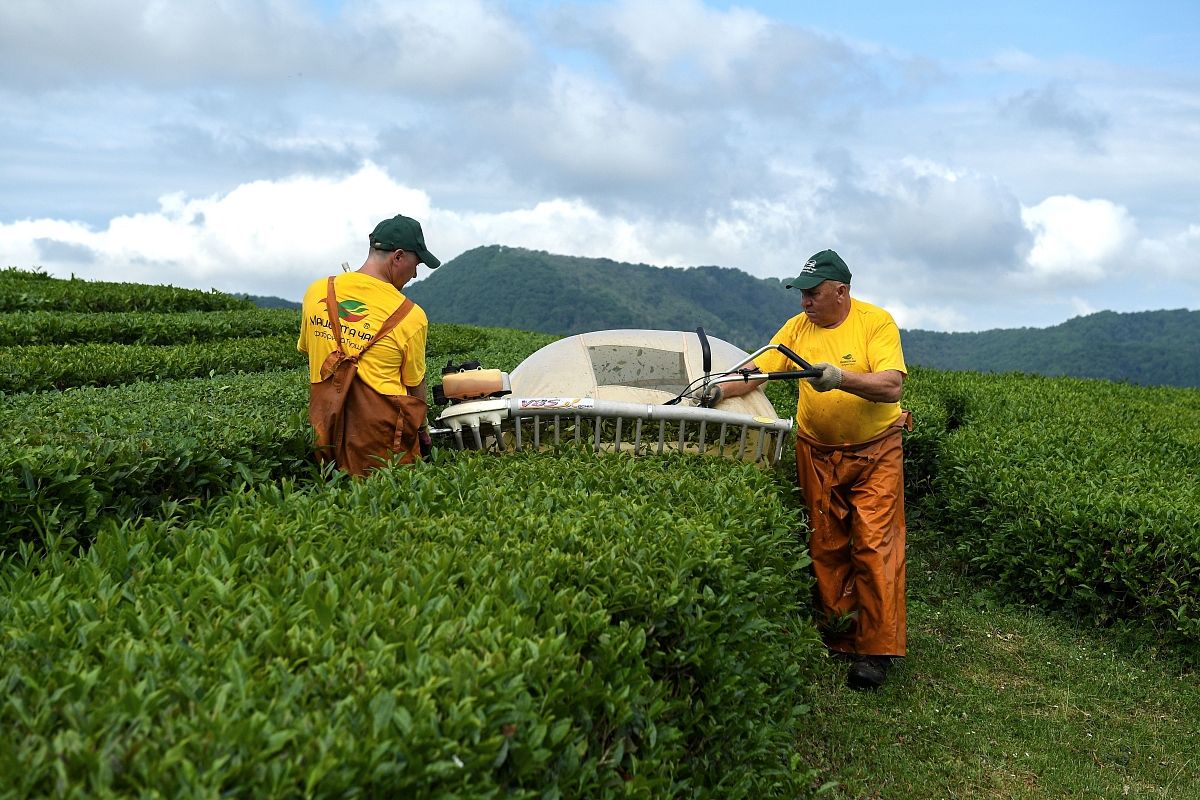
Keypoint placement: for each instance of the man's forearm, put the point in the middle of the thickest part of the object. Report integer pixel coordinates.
(878, 387)
(739, 388)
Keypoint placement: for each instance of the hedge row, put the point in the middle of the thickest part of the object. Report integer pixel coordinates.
(567, 626)
(1078, 495)
(141, 327)
(22, 290)
(42, 367)
(80, 457)
(77, 459)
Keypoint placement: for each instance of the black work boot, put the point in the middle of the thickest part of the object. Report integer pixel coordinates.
(868, 672)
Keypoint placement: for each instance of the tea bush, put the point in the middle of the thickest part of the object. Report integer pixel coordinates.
(40, 367)
(139, 327)
(22, 290)
(32, 368)
(553, 625)
(80, 457)
(1078, 495)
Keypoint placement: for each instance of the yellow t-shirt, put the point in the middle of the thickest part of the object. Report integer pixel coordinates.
(866, 341)
(364, 304)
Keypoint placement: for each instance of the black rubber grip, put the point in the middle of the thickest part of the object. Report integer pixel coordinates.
(793, 375)
(797, 359)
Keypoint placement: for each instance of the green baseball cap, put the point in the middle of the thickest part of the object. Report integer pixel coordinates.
(403, 233)
(823, 266)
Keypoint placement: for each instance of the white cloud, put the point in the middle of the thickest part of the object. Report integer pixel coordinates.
(1176, 257)
(262, 237)
(588, 130)
(1083, 307)
(665, 34)
(1059, 106)
(686, 54)
(556, 226)
(418, 47)
(920, 316)
(1076, 240)
(404, 47)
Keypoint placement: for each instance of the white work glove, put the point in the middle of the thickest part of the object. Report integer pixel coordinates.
(711, 397)
(830, 377)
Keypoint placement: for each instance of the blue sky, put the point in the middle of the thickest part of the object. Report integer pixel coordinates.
(978, 165)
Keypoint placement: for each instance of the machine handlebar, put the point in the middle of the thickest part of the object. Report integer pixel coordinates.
(793, 374)
(747, 375)
(796, 360)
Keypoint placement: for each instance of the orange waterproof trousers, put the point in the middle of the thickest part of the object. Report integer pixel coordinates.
(855, 499)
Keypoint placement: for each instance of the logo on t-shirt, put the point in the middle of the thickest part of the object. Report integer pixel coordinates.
(848, 359)
(350, 310)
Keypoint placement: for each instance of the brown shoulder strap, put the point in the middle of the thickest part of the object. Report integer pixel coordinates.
(384, 329)
(391, 322)
(331, 308)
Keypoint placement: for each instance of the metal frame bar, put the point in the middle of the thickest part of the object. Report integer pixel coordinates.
(531, 411)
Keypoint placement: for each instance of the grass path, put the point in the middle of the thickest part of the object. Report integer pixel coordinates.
(1004, 701)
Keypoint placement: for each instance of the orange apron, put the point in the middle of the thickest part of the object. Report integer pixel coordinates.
(855, 500)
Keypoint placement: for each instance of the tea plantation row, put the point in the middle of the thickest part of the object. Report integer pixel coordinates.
(80, 457)
(559, 625)
(1077, 495)
(22, 290)
(135, 327)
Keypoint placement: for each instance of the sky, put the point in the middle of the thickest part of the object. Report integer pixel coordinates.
(978, 166)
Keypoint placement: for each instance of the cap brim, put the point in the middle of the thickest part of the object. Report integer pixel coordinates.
(429, 259)
(805, 282)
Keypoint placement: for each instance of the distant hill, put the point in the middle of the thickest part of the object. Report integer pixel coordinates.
(530, 290)
(1153, 348)
(269, 302)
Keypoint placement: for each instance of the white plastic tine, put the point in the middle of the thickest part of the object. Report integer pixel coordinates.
(537, 432)
(742, 442)
(478, 440)
(721, 441)
(637, 438)
(617, 437)
(662, 435)
(703, 426)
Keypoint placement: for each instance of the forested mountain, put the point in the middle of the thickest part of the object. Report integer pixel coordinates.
(269, 301)
(532, 290)
(1154, 348)
(510, 287)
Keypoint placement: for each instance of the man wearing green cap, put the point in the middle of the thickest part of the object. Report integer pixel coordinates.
(849, 462)
(362, 321)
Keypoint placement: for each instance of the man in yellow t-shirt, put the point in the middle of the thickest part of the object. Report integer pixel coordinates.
(366, 298)
(849, 462)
